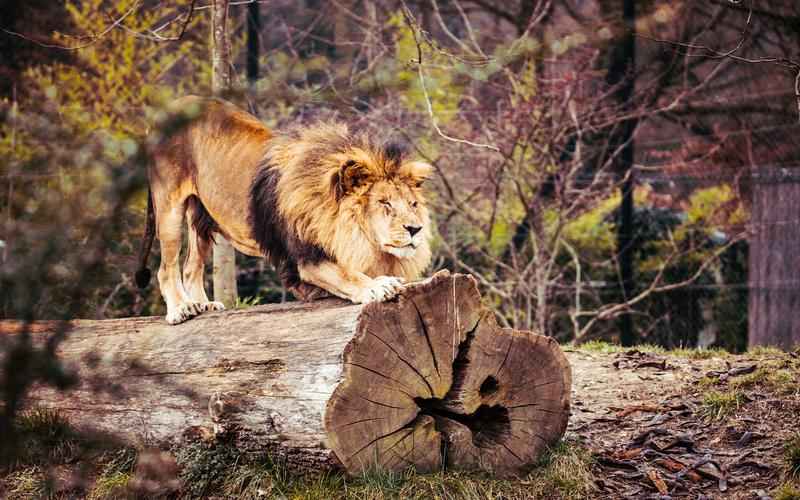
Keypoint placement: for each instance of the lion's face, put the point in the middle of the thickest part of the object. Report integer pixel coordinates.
(397, 217)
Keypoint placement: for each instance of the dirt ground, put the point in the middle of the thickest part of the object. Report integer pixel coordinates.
(691, 424)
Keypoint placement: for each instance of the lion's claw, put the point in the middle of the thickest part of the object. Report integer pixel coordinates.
(383, 288)
(184, 312)
(212, 306)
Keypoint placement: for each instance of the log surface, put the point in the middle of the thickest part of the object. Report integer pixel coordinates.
(430, 380)
(426, 380)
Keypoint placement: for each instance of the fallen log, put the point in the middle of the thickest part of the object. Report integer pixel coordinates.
(426, 380)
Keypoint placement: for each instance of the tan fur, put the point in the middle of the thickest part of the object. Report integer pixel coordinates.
(336, 191)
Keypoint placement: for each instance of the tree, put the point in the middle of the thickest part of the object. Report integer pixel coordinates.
(621, 74)
(224, 255)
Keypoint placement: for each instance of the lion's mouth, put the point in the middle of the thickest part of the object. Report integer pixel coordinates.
(403, 247)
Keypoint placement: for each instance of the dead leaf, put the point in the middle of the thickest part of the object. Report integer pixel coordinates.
(659, 483)
(633, 409)
(628, 454)
(674, 465)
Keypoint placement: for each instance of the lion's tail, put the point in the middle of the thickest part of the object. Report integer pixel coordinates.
(143, 273)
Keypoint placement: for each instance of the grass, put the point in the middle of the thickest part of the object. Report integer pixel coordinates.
(718, 405)
(765, 351)
(770, 376)
(208, 470)
(111, 487)
(45, 437)
(24, 484)
(562, 473)
(700, 353)
(246, 302)
(603, 347)
(115, 476)
(791, 454)
(204, 468)
(786, 491)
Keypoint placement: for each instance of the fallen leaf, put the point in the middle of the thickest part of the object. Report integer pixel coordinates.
(673, 465)
(633, 409)
(659, 483)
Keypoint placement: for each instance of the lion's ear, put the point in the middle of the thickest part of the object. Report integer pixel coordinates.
(415, 172)
(350, 176)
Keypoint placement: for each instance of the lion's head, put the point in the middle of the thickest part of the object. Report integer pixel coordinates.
(358, 201)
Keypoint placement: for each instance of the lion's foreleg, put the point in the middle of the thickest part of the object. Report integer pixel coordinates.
(354, 286)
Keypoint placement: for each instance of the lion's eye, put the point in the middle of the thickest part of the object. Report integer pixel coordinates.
(385, 203)
(414, 204)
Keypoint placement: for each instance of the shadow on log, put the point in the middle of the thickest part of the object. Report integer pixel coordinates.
(426, 380)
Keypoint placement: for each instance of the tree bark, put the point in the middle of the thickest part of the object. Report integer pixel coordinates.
(427, 380)
(622, 73)
(224, 256)
(253, 42)
(774, 259)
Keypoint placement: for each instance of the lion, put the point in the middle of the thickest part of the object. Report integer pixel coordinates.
(334, 211)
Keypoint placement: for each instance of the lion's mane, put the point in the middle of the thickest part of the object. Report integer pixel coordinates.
(304, 207)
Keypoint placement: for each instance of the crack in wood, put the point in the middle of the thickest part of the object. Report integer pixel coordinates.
(379, 403)
(413, 368)
(384, 376)
(409, 425)
(489, 425)
(427, 338)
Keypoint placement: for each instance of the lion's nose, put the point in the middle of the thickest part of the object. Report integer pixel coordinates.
(412, 230)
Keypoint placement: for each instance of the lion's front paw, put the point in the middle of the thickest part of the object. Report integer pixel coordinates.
(183, 312)
(383, 288)
(212, 306)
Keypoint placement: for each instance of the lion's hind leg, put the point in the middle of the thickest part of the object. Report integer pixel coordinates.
(169, 222)
(199, 239)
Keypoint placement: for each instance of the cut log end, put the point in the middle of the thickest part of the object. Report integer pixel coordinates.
(431, 381)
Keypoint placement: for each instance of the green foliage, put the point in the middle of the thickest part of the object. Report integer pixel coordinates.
(246, 302)
(116, 474)
(111, 486)
(80, 121)
(27, 483)
(771, 376)
(787, 491)
(444, 92)
(121, 74)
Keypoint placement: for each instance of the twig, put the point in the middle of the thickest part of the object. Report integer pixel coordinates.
(94, 38)
(421, 73)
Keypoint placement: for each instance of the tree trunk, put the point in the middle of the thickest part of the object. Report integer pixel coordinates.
(622, 73)
(774, 259)
(224, 256)
(253, 42)
(428, 380)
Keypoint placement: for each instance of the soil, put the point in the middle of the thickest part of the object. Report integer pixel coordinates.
(650, 422)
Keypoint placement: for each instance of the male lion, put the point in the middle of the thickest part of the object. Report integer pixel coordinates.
(329, 208)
